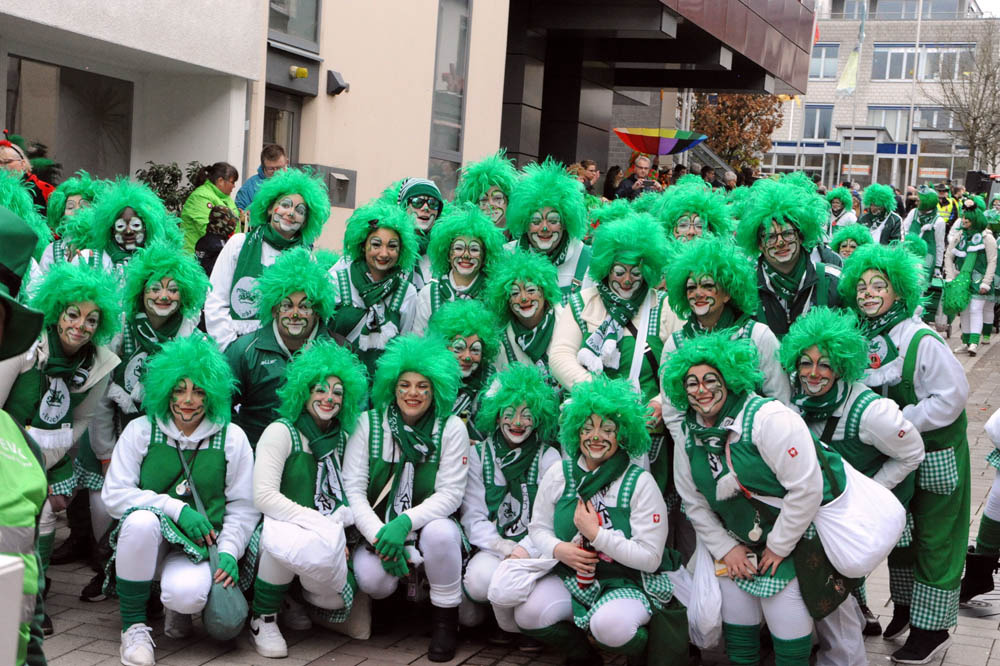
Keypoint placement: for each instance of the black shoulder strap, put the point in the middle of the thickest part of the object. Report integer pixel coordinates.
(654, 362)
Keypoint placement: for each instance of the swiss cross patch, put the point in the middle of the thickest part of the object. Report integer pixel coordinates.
(656, 517)
(901, 434)
(793, 452)
(465, 460)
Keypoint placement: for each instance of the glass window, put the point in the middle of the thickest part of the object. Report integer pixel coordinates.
(294, 22)
(448, 106)
(818, 122)
(941, 9)
(823, 63)
(894, 120)
(893, 63)
(282, 113)
(946, 62)
(896, 9)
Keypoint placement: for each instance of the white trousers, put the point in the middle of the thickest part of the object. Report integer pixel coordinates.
(785, 612)
(841, 642)
(143, 554)
(992, 508)
(47, 519)
(100, 519)
(278, 569)
(440, 544)
(613, 624)
(478, 575)
(972, 317)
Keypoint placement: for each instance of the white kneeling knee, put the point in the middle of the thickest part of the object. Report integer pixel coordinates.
(184, 585)
(478, 574)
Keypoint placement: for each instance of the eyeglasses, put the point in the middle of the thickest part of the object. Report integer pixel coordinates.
(459, 345)
(497, 199)
(710, 382)
(304, 308)
(788, 235)
(421, 200)
(552, 218)
(687, 224)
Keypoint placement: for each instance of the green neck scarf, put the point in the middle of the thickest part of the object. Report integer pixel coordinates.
(321, 442)
(75, 369)
(117, 253)
(821, 407)
(619, 313)
(730, 317)
(876, 329)
(589, 483)
(534, 342)
(448, 293)
(151, 339)
(515, 465)
(561, 250)
(714, 437)
(786, 287)
(381, 319)
(416, 442)
(248, 263)
(423, 239)
(330, 493)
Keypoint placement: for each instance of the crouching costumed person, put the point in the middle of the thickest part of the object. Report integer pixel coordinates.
(182, 446)
(405, 472)
(298, 486)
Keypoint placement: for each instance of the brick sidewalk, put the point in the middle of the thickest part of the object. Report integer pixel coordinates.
(87, 634)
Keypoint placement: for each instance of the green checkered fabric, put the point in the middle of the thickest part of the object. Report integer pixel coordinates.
(64, 487)
(341, 614)
(938, 473)
(993, 458)
(86, 478)
(933, 609)
(810, 532)
(62, 477)
(762, 586)
(901, 582)
(592, 599)
(906, 539)
(658, 587)
(861, 593)
(251, 558)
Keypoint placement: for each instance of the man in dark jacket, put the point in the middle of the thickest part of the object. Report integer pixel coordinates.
(272, 159)
(639, 181)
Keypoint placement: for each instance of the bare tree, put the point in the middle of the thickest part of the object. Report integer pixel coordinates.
(973, 96)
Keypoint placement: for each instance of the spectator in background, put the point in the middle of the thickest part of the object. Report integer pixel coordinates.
(746, 177)
(708, 175)
(210, 203)
(272, 159)
(729, 181)
(577, 171)
(639, 181)
(612, 180)
(14, 158)
(679, 171)
(592, 173)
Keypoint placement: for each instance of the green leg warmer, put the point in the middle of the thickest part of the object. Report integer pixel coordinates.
(974, 338)
(794, 652)
(132, 598)
(563, 636)
(267, 597)
(965, 338)
(45, 543)
(861, 593)
(742, 643)
(633, 648)
(988, 539)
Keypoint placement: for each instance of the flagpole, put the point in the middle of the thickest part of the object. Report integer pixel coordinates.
(854, 93)
(913, 91)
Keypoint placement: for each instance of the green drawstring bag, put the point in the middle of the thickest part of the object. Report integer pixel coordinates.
(226, 610)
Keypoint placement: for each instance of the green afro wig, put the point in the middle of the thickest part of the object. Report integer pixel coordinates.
(843, 195)
(636, 240)
(293, 181)
(784, 202)
(15, 197)
(736, 360)
(68, 283)
(547, 184)
(194, 357)
(612, 210)
(295, 270)
(905, 272)
(692, 180)
(720, 258)
(426, 356)
(973, 209)
(880, 195)
(858, 233)
(467, 317)
(799, 179)
(927, 199)
(916, 245)
(648, 201)
(518, 384)
(477, 178)
(381, 214)
(81, 184)
(613, 399)
(115, 198)
(324, 358)
(520, 266)
(391, 193)
(463, 220)
(163, 259)
(326, 257)
(737, 201)
(688, 200)
(835, 333)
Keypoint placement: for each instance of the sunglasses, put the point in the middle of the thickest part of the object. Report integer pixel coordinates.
(420, 201)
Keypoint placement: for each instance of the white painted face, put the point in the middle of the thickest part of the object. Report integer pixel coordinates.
(469, 352)
(516, 424)
(382, 250)
(625, 279)
(526, 299)
(425, 209)
(847, 248)
(295, 315)
(74, 204)
(326, 397)
(598, 440)
(836, 205)
(288, 214)
(494, 204)
(816, 375)
(545, 229)
(129, 230)
(187, 404)
(705, 296)
(77, 325)
(706, 392)
(875, 293)
(466, 255)
(781, 245)
(162, 298)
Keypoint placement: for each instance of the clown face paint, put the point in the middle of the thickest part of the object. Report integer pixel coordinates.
(624, 279)
(598, 440)
(77, 324)
(545, 229)
(414, 396)
(161, 299)
(295, 316)
(781, 246)
(326, 397)
(288, 214)
(516, 424)
(424, 209)
(74, 204)
(836, 205)
(688, 227)
(187, 405)
(382, 250)
(129, 230)
(996, 204)
(706, 392)
(877, 211)
(527, 303)
(875, 294)
(847, 248)
(494, 204)
(469, 352)
(706, 299)
(815, 372)
(466, 258)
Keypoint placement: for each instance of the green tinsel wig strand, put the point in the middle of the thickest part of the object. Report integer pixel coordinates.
(613, 399)
(877, 194)
(295, 270)
(858, 233)
(787, 203)
(835, 333)
(109, 204)
(15, 197)
(495, 170)
(196, 358)
(381, 214)
(687, 200)
(692, 180)
(466, 317)
(973, 209)
(324, 358)
(736, 360)
(904, 270)
(542, 185)
(520, 266)
(163, 259)
(648, 201)
(293, 181)
(799, 179)
(634, 240)
(68, 283)
(720, 258)
(463, 220)
(426, 356)
(927, 199)
(612, 210)
(518, 384)
(737, 200)
(81, 184)
(843, 195)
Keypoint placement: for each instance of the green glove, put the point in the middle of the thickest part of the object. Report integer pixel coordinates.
(396, 567)
(228, 564)
(390, 539)
(193, 524)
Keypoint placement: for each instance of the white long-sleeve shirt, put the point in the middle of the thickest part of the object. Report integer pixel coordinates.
(422, 309)
(39, 269)
(407, 311)
(121, 489)
(647, 521)
(567, 270)
(449, 484)
(218, 321)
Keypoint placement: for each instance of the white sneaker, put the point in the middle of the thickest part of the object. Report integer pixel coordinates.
(294, 615)
(266, 638)
(137, 646)
(177, 625)
(961, 348)
(972, 349)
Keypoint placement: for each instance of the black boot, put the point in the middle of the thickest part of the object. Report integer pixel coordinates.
(921, 646)
(978, 579)
(80, 543)
(444, 634)
(94, 590)
(872, 626)
(899, 622)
